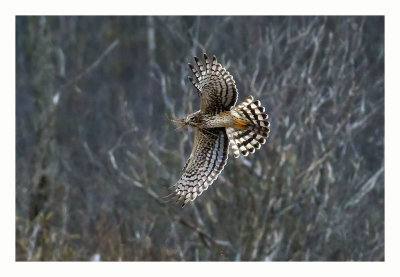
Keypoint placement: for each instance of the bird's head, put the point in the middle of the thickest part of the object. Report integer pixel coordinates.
(192, 120)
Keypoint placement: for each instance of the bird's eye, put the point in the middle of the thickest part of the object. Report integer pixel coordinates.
(192, 119)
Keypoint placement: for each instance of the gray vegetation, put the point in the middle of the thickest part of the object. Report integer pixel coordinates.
(96, 151)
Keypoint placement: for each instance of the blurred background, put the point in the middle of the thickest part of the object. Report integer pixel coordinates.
(95, 150)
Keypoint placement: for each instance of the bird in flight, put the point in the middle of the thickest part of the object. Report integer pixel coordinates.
(217, 124)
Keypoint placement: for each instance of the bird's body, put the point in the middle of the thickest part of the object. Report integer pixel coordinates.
(203, 120)
(217, 124)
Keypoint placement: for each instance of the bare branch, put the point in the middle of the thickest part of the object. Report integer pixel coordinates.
(91, 67)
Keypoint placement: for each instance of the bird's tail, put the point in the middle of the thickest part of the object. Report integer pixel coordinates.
(251, 127)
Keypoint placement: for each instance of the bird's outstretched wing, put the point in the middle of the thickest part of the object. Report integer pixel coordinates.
(208, 158)
(216, 86)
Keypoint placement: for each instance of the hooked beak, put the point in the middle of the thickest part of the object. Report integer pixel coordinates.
(179, 122)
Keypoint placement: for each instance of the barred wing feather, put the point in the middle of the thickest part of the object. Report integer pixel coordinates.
(208, 158)
(216, 86)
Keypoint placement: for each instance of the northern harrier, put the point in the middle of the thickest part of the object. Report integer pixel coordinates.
(218, 123)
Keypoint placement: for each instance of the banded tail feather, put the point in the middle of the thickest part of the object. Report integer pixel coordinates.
(251, 127)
